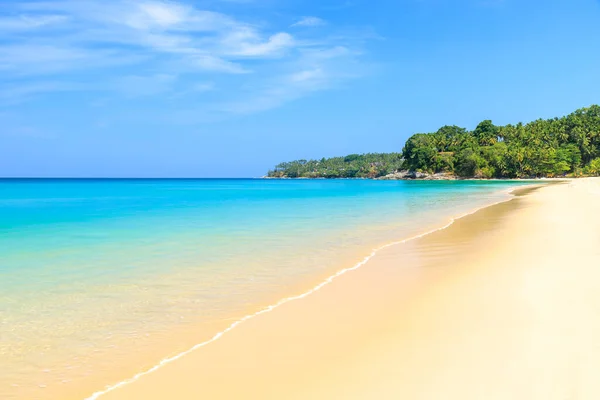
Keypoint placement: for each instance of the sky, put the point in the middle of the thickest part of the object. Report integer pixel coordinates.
(229, 88)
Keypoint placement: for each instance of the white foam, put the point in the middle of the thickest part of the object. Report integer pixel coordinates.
(327, 281)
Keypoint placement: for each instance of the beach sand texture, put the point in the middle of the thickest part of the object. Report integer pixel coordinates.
(503, 304)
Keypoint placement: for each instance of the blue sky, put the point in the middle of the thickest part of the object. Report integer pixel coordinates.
(149, 88)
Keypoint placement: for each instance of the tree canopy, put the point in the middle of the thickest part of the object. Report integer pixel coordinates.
(542, 148)
(370, 165)
(568, 145)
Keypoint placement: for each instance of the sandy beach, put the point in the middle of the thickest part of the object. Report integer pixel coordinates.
(503, 304)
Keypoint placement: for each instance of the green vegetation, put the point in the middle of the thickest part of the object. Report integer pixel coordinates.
(543, 148)
(371, 165)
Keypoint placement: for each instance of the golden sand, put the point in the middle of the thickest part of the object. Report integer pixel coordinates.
(504, 304)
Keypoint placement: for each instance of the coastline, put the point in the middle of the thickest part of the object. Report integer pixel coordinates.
(181, 358)
(508, 310)
(413, 176)
(111, 354)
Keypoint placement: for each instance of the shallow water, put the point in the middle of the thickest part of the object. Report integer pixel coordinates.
(94, 271)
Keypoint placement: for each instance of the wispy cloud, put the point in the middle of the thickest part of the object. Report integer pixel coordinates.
(150, 47)
(31, 58)
(310, 21)
(25, 22)
(208, 40)
(314, 70)
(245, 42)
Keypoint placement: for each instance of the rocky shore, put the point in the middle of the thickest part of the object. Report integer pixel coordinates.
(408, 175)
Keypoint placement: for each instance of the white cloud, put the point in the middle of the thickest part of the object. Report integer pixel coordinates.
(273, 45)
(306, 75)
(212, 63)
(310, 21)
(207, 39)
(37, 59)
(150, 47)
(164, 14)
(313, 71)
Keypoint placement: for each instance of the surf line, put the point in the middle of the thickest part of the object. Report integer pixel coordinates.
(270, 308)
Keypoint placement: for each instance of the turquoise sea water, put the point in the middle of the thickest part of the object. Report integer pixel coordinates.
(92, 270)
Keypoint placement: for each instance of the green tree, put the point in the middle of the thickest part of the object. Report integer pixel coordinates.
(471, 164)
(593, 168)
(420, 152)
(486, 133)
(553, 147)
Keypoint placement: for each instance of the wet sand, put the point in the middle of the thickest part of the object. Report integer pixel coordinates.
(504, 304)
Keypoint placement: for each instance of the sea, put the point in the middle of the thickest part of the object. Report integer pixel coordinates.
(104, 278)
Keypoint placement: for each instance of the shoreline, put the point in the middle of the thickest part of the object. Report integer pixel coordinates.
(418, 177)
(88, 363)
(470, 312)
(454, 178)
(461, 313)
(514, 192)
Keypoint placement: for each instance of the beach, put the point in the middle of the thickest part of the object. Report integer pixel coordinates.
(299, 200)
(504, 303)
(102, 279)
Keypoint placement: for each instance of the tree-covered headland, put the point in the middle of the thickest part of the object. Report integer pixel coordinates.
(568, 145)
(370, 165)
